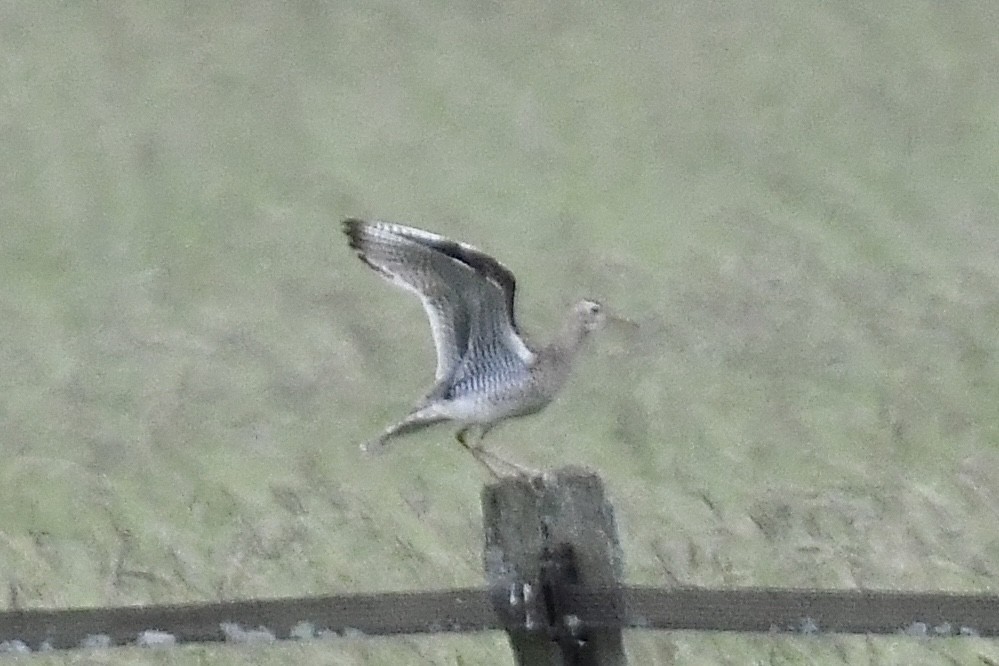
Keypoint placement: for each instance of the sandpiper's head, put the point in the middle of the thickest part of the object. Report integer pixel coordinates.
(591, 315)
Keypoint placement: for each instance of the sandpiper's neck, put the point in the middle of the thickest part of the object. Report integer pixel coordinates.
(561, 352)
(572, 336)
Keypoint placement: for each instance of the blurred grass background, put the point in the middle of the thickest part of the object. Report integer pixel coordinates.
(797, 201)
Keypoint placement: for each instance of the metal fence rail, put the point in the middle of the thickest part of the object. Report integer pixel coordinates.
(258, 619)
(469, 610)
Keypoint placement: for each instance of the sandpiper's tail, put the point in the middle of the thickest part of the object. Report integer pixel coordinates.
(416, 420)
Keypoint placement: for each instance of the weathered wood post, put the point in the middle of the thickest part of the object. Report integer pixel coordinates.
(545, 535)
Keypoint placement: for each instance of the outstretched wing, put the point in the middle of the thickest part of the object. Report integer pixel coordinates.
(461, 288)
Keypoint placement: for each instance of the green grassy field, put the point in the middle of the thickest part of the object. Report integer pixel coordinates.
(797, 202)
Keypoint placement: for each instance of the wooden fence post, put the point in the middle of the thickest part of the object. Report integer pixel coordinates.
(542, 535)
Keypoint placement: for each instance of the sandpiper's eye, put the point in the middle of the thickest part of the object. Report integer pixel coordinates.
(594, 308)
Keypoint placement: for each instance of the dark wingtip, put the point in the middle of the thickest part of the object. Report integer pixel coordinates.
(352, 229)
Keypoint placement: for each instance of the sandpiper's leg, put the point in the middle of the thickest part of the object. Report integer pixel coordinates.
(476, 451)
(520, 469)
(486, 427)
(416, 420)
(481, 454)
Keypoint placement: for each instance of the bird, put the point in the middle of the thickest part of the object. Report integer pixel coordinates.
(487, 370)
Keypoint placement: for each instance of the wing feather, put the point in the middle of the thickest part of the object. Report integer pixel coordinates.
(462, 289)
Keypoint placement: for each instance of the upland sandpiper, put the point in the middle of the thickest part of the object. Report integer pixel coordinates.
(486, 370)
